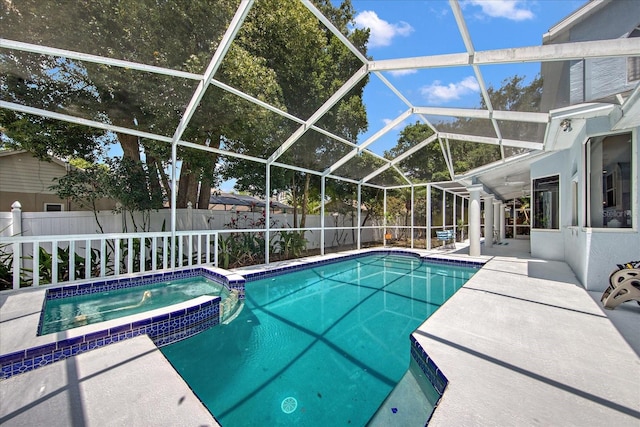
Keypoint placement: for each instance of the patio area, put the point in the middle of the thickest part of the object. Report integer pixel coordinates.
(521, 343)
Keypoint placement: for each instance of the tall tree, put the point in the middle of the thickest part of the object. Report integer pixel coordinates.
(310, 65)
(173, 34)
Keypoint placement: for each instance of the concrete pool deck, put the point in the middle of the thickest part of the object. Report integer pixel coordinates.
(522, 343)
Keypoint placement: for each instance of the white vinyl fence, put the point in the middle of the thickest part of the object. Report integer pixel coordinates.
(60, 247)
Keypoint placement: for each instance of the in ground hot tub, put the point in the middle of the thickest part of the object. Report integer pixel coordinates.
(164, 325)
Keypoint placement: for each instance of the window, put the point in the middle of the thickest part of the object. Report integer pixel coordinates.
(53, 207)
(574, 203)
(546, 200)
(609, 181)
(633, 63)
(633, 69)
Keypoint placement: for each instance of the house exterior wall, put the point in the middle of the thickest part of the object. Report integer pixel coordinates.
(591, 252)
(550, 244)
(592, 79)
(26, 179)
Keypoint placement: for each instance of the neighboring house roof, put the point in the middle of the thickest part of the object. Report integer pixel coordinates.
(6, 153)
(243, 200)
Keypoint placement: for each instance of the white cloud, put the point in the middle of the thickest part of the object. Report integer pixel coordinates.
(399, 126)
(439, 93)
(509, 9)
(382, 32)
(399, 73)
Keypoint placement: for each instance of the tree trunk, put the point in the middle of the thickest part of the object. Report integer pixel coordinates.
(130, 146)
(187, 187)
(154, 175)
(165, 181)
(205, 195)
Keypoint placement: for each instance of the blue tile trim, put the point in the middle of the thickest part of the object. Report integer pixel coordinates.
(145, 279)
(163, 330)
(428, 367)
(277, 271)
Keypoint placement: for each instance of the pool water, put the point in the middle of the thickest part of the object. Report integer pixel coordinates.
(334, 339)
(67, 313)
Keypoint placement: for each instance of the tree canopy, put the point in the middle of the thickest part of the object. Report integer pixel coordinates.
(281, 51)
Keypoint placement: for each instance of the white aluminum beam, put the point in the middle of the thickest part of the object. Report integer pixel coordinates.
(276, 110)
(521, 116)
(413, 149)
(337, 96)
(447, 160)
(220, 152)
(402, 98)
(526, 157)
(402, 117)
(546, 53)
(450, 157)
(85, 122)
(561, 52)
(96, 59)
(198, 94)
(402, 175)
(214, 64)
(476, 113)
(345, 41)
(376, 173)
(434, 61)
(494, 141)
(462, 26)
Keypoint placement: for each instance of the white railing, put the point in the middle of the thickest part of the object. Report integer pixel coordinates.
(48, 259)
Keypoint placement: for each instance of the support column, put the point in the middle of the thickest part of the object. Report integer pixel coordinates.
(455, 213)
(267, 213)
(503, 231)
(16, 230)
(384, 218)
(474, 219)
(322, 229)
(488, 221)
(496, 218)
(428, 215)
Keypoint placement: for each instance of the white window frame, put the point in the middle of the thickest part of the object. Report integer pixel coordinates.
(532, 205)
(586, 156)
(46, 207)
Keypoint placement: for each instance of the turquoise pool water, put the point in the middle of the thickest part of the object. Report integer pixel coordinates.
(317, 347)
(66, 313)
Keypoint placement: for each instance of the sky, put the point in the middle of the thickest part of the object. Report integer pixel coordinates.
(410, 28)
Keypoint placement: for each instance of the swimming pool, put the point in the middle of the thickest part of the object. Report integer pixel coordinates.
(320, 346)
(60, 314)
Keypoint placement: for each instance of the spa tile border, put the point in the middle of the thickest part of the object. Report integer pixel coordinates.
(231, 280)
(163, 329)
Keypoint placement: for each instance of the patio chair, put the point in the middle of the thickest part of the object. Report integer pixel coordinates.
(624, 285)
(447, 238)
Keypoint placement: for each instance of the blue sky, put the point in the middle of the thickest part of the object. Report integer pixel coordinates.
(407, 28)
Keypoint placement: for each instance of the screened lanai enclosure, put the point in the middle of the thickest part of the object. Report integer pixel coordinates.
(165, 101)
